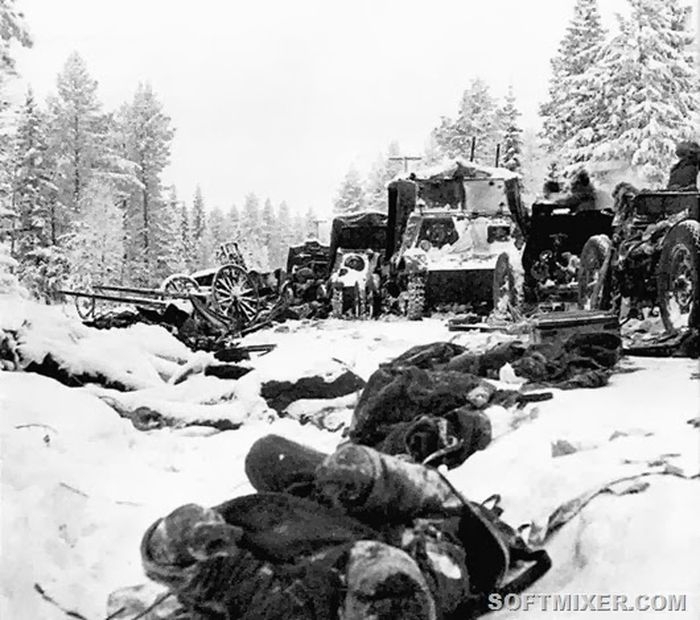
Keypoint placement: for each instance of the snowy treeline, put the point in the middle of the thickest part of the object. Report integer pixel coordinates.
(84, 200)
(264, 232)
(480, 116)
(618, 103)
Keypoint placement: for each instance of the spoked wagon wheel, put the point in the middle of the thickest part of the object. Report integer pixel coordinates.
(235, 296)
(180, 283)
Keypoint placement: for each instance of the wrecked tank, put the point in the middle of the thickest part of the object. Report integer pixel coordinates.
(447, 227)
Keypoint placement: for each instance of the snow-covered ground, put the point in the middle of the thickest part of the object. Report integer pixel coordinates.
(80, 484)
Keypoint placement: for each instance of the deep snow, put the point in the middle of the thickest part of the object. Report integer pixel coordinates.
(80, 484)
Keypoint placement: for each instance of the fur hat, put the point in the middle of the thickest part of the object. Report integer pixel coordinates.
(687, 148)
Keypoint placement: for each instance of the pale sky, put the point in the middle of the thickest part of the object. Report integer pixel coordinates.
(279, 97)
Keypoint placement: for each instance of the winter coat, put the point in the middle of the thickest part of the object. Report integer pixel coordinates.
(580, 194)
(357, 530)
(684, 174)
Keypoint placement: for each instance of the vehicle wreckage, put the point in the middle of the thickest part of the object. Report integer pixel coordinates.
(357, 249)
(447, 226)
(652, 258)
(230, 297)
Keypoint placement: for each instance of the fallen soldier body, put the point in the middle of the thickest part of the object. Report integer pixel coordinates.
(355, 535)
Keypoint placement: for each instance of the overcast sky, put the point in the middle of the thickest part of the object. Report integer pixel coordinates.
(280, 97)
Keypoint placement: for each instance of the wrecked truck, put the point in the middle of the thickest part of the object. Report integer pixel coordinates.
(358, 241)
(447, 226)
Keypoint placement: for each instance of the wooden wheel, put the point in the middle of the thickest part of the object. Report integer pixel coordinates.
(180, 283)
(235, 296)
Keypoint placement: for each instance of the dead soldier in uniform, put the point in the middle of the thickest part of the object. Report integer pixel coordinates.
(354, 535)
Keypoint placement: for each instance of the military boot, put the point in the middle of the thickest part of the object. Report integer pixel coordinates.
(384, 583)
(372, 485)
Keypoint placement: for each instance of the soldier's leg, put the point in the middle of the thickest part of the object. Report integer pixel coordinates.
(366, 482)
(277, 464)
(384, 583)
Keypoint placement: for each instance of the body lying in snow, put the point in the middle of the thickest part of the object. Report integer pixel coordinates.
(353, 535)
(428, 402)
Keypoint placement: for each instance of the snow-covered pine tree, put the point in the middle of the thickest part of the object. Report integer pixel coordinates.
(381, 173)
(76, 137)
(311, 223)
(95, 245)
(512, 144)
(214, 235)
(197, 227)
(285, 223)
(351, 195)
(478, 118)
(251, 222)
(685, 43)
(298, 229)
(185, 236)
(169, 249)
(251, 234)
(152, 233)
(647, 75)
(274, 247)
(282, 239)
(33, 190)
(440, 142)
(572, 113)
(534, 165)
(375, 183)
(432, 153)
(267, 224)
(13, 30)
(232, 223)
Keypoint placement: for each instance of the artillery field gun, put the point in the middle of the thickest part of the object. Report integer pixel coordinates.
(651, 259)
(546, 276)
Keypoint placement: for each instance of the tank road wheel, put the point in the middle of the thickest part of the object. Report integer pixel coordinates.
(678, 280)
(506, 296)
(416, 296)
(593, 294)
(235, 296)
(180, 283)
(337, 303)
